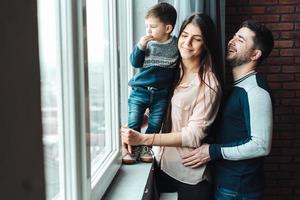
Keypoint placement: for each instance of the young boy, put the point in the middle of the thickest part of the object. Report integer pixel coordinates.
(155, 55)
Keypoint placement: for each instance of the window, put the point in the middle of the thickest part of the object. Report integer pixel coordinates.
(81, 94)
(49, 45)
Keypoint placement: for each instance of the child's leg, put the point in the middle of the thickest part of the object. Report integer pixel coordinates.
(157, 112)
(137, 104)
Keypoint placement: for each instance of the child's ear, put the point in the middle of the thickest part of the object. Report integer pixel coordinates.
(169, 28)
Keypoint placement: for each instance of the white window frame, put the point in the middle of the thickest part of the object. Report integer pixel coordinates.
(78, 183)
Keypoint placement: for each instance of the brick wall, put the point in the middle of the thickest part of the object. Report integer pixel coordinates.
(282, 70)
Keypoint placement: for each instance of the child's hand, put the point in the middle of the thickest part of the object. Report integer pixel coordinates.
(144, 40)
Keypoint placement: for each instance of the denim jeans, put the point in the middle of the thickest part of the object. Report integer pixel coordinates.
(222, 193)
(142, 98)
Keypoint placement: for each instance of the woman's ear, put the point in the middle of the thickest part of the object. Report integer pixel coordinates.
(169, 28)
(256, 54)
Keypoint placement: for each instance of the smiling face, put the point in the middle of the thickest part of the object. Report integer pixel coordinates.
(156, 28)
(240, 47)
(190, 43)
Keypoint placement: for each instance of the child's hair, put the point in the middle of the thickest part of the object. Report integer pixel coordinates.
(164, 11)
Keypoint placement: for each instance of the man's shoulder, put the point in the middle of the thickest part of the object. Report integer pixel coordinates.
(254, 83)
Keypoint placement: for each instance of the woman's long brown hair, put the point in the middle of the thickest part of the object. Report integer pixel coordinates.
(210, 58)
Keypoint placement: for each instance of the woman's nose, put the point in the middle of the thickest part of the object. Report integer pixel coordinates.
(187, 41)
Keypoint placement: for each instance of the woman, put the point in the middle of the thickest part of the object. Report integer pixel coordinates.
(194, 105)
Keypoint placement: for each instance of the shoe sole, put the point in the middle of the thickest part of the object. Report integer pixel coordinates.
(146, 160)
(128, 162)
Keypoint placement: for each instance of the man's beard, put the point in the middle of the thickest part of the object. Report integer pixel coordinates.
(238, 60)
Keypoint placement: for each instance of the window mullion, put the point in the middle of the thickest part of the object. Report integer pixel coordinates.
(74, 116)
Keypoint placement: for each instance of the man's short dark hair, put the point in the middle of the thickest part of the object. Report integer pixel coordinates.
(263, 39)
(164, 11)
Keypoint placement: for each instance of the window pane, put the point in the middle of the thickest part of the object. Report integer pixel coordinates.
(98, 76)
(49, 48)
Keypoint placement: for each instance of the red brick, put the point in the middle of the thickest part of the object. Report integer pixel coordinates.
(297, 26)
(281, 26)
(275, 86)
(280, 77)
(283, 110)
(297, 159)
(297, 43)
(235, 2)
(291, 86)
(271, 167)
(298, 9)
(297, 60)
(281, 61)
(289, 135)
(297, 110)
(266, 18)
(281, 143)
(276, 35)
(252, 10)
(231, 10)
(291, 69)
(296, 143)
(290, 35)
(289, 119)
(297, 77)
(289, 167)
(284, 127)
(264, 2)
(281, 94)
(283, 43)
(236, 21)
(289, 1)
(290, 52)
(278, 159)
(281, 191)
(291, 102)
(280, 9)
(293, 18)
(274, 53)
(269, 69)
(298, 94)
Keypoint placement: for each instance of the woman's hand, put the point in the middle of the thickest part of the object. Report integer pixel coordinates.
(196, 157)
(131, 137)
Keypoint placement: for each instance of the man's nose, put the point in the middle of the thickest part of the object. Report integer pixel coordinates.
(231, 42)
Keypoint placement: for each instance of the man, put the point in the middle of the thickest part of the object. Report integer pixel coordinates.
(244, 128)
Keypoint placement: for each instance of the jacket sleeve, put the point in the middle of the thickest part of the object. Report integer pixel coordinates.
(259, 123)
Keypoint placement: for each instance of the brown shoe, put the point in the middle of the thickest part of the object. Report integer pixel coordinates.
(131, 158)
(146, 154)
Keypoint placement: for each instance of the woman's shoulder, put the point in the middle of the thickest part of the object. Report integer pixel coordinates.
(211, 80)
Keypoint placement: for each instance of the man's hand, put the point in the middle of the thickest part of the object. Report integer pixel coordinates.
(144, 40)
(196, 157)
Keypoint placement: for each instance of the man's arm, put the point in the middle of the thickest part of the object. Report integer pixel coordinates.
(259, 122)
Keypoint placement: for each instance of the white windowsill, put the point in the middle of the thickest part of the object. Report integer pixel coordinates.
(130, 182)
